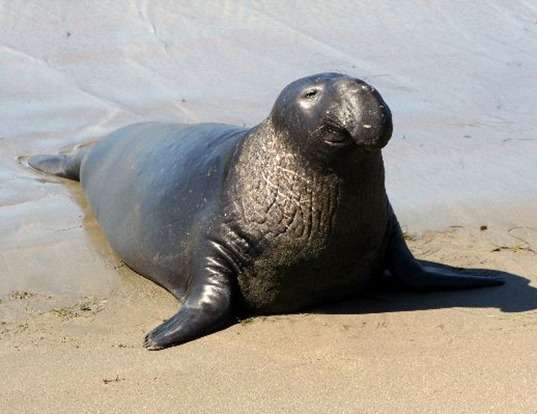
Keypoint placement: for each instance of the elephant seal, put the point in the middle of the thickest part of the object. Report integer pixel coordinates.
(286, 215)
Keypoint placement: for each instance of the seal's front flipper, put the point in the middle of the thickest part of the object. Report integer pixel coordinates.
(426, 275)
(206, 309)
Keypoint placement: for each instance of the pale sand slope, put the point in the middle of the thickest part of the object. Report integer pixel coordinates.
(390, 351)
(459, 78)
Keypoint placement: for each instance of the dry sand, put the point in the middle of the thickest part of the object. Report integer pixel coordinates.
(389, 351)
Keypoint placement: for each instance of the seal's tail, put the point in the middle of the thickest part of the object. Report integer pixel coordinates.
(62, 165)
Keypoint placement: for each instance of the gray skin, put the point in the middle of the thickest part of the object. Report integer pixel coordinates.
(289, 214)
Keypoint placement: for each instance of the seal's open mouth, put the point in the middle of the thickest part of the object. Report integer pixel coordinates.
(337, 142)
(337, 136)
(367, 136)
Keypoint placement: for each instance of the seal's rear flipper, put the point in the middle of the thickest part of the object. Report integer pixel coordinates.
(62, 165)
(421, 275)
(207, 309)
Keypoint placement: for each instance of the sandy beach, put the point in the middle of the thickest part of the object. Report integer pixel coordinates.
(460, 172)
(389, 351)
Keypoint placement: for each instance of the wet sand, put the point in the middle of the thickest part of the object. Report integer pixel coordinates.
(388, 351)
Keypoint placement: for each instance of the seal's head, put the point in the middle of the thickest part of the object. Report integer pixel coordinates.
(330, 114)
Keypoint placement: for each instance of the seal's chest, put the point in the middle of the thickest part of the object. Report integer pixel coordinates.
(318, 234)
(330, 262)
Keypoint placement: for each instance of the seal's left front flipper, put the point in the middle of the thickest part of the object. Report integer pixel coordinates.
(206, 309)
(425, 275)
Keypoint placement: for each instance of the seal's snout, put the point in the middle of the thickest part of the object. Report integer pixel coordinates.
(369, 120)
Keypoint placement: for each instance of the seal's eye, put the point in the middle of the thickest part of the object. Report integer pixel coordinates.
(312, 93)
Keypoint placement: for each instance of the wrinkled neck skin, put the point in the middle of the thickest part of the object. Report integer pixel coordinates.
(300, 218)
(279, 192)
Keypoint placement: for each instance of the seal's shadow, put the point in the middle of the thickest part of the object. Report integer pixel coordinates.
(386, 294)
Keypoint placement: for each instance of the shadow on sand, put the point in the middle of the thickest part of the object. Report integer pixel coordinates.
(388, 295)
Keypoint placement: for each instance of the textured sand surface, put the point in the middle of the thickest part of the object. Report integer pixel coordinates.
(389, 351)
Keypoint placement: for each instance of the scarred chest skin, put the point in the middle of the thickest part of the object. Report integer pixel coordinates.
(297, 226)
